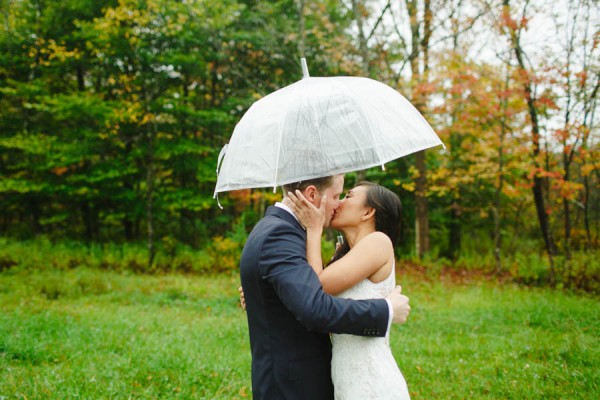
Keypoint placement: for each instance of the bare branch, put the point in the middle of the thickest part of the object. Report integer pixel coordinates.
(387, 7)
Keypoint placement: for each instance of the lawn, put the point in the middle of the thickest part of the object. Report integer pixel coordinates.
(94, 334)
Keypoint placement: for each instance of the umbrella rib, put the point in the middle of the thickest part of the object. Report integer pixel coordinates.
(287, 107)
(318, 123)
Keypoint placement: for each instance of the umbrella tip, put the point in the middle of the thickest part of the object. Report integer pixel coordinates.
(304, 68)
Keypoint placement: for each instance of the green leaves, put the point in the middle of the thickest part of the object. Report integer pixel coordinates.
(112, 115)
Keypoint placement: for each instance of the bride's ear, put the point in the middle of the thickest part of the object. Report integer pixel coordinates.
(369, 213)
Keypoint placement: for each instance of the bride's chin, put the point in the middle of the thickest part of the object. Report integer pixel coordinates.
(333, 224)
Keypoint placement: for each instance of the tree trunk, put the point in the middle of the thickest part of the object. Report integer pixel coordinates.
(363, 48)
(455, 232)
(128, 228)
(149, 201)
(149, 207)
(420, 47)
(151, 131)
(300, 4)
(538, 182)
(35, 216)
(88, 220)
(422, 207)
(567, 237)
(586, 213)
(498, 193)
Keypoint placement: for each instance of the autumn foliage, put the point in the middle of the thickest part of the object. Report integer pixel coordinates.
(113, 115)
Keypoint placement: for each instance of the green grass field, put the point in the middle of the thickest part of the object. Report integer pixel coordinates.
(94, 334)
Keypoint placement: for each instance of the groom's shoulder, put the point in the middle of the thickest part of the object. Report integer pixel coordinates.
(273, 218)
(278, 220)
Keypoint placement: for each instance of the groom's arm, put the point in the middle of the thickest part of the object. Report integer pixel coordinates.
(284, 266)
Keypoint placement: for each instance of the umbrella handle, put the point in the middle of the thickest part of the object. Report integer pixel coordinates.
(220, 158)
(304, 68)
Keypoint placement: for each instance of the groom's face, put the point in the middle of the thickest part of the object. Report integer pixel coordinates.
(333, 194)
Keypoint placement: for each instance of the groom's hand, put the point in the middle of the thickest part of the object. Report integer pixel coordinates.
(242, 298)
(399, 305)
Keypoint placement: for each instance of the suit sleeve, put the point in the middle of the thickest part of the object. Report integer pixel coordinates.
(284, 266)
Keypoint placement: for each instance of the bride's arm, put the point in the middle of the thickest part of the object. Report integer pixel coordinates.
(368, 256)
(313, 248)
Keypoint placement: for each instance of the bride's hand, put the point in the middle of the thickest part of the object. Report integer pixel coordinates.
(309, 216)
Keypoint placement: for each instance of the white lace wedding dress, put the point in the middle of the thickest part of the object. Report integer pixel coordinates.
(363, 368)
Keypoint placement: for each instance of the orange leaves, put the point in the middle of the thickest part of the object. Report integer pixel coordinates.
(546, 102)
(582, 77)
(512, 191)
(424, 89)
(60, 170)
(507, 21)
(542, 173)
(241, 199)
(245, 198)
(567, 190)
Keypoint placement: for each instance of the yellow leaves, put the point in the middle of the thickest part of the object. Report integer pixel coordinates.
(408, 186)
(413, 172)
(128, 11)
(225, 253)
(82, 191)
(587, 169)
(147, 118)
(182, 19)
(128, 113)
(439, 190)
(45, 51)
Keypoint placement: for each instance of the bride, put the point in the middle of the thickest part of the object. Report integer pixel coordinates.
(362, 268)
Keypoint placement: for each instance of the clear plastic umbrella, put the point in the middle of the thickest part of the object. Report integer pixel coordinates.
(319, 127)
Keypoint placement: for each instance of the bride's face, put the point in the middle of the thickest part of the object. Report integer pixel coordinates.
(352, 208)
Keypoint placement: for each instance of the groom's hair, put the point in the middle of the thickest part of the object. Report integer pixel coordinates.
(320, 183)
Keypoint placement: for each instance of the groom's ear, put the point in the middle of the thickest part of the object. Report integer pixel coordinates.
(310, 193)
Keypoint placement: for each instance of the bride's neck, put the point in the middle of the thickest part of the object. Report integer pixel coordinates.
(355, 234)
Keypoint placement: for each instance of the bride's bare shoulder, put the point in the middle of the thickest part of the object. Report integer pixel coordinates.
(378, 239)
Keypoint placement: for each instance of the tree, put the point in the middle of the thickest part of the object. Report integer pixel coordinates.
(527, 78)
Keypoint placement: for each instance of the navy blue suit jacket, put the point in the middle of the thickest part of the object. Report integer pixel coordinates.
(289, 315)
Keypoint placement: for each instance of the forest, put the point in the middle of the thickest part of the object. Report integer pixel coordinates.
(113, 113)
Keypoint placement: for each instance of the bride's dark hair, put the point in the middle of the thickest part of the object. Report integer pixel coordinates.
(388, 214)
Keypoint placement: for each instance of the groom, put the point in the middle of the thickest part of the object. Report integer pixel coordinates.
(289, 315)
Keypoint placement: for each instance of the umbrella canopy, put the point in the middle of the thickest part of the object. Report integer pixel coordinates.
(319, 127)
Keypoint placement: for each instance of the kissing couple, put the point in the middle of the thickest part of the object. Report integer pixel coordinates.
(293, 304)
